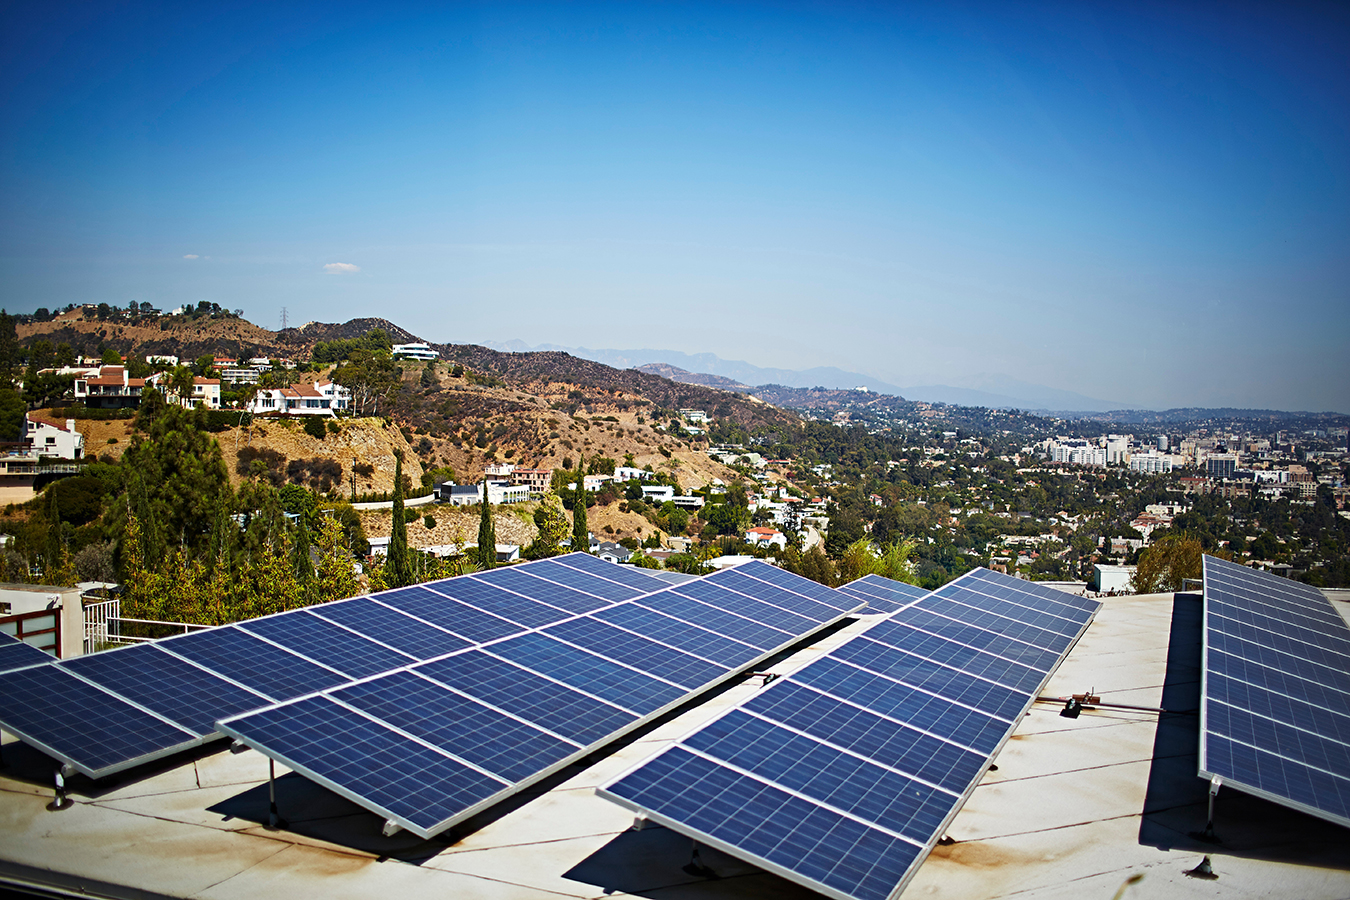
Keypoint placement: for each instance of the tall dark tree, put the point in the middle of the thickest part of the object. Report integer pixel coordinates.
(398, 571)
(487, 533)
(581, 533)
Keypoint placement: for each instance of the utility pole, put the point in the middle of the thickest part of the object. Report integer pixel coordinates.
(284, 319)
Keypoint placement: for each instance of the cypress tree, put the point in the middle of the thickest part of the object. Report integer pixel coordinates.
(581, 536)
(398, 573)
(487, 534)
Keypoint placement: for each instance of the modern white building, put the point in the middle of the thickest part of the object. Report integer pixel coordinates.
(49, 438)
(415, 351)
(1151, 462)
(1076, 452)
(498, 492)
(1117, 449)
(657, 493)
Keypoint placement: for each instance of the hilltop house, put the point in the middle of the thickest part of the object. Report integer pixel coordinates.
(320, 398)
(112, 388)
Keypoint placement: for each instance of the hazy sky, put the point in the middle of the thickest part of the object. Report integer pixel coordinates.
(1145, 202)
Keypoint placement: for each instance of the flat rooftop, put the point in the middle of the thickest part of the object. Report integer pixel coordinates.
(1075, 808)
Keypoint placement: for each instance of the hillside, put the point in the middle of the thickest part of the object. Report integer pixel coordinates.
(674, 373)
(186, 338)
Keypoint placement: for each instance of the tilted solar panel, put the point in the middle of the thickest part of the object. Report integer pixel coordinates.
(185, 683)
(517, 709)
(1275, 690)
(15, 654)
(883, 595)
(843, 775)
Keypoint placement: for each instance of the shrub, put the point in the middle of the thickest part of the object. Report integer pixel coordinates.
(315, 427)
(429, 521)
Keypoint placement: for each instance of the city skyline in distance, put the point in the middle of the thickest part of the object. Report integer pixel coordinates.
(1148, 205)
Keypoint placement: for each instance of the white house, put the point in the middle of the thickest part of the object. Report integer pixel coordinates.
(415, 351)
(657, 493)
(612, 552)
(498, 492)
(48, 438)
(320, 398)
(629, 473)
(766, 537)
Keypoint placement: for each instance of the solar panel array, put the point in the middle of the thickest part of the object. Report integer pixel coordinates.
(883, 595)
(432, 743)
(110, 711)
(1275, 689)
(15, 654)
(843, 775)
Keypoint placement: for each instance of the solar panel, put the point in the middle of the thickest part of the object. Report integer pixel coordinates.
(190, 681)
(883, 595)
(469, 729)
(15, 654)
(843, 775)
(1275, 690)
(92, 730)
(468, 622)
(253, 662)
(542, 699)
(413, 636)
(339, 648)
(181, 692)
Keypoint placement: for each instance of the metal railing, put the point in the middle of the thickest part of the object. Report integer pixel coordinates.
(103, 623)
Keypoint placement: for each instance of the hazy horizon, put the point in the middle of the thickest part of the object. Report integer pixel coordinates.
(1148, 203)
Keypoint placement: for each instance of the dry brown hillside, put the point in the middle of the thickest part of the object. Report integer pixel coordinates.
(370, 442)
(171, 335)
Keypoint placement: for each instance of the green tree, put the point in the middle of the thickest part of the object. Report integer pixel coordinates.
(487, 533)
(398, 572)
(581, 533)
(1165, 565)
(551, 527)
(335, 579)
(174, 478)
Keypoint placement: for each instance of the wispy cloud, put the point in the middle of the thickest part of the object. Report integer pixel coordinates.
(341, 268)
(190, 256)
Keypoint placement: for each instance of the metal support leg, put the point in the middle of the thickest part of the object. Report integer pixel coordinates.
(1208, 835)
(274, 820)
(696, 866)
(60, 801)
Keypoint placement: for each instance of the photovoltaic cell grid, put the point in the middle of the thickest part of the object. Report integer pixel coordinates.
(843, 775)
(504, 715)
(883, 595)
(1275, 710)
(15, 654)
(168, 694)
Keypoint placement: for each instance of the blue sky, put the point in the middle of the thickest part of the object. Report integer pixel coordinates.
(1144, 202)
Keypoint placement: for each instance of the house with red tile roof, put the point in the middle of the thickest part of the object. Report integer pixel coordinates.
(319, 398)
(112, 388)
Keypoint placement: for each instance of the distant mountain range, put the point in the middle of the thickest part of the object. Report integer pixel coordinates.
(994, 391)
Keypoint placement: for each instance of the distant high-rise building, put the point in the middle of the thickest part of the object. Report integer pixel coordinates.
(1162, 443)
(1221, 465)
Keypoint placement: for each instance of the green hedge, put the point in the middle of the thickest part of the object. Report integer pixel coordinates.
(84, 412)
(386, 496)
